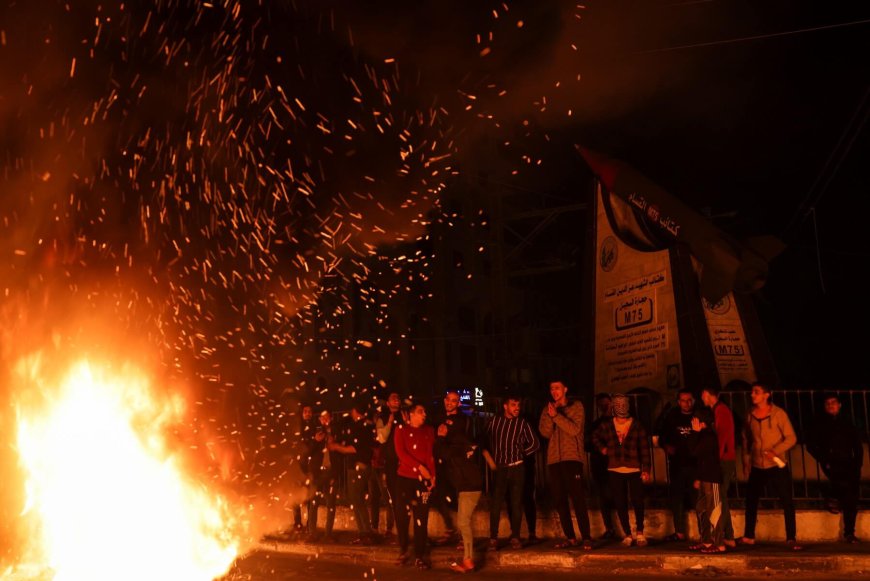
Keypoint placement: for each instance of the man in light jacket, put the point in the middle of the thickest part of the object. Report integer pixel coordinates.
(767, 437)
(562, 423)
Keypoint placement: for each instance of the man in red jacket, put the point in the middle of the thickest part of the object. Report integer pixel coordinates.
(724, 427)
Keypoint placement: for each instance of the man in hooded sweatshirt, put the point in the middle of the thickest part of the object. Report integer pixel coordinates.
(562, 423)
(767, 437)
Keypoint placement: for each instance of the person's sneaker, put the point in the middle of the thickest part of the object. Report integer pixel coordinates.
(422, 564)
(586, 545)
(641, 540)
(403, 559)
(730, 543)
(464, 566)
(493, 545)
(852, 539)
(516, 543)
(627, 541)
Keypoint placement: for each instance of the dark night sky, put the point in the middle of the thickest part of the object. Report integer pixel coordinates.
(752, 111)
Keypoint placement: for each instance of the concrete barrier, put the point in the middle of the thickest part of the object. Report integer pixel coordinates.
(812, 525)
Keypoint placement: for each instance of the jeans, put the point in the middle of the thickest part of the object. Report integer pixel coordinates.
(729, 475)
(378, 492)
(601, 477)
(507, 477)
(781, 481)
(357, 486)
(467, 502)
(681, 494)
(625, 486)
(324, 493)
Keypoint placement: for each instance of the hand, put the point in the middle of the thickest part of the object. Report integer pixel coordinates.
(442, 430)
(769, 455)
(319, 436)
(406, 417)
(644, 477)
(431, 484)
(697, 484)
(604, 451)
(551, 410)
(696, 426)
(424, 472)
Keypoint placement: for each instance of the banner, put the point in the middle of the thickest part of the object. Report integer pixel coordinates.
(636, 337)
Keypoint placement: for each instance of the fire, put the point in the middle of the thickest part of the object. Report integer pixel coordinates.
(109, 499)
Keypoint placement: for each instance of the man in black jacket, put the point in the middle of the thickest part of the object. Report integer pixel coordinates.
(837, 447)
(673, 433)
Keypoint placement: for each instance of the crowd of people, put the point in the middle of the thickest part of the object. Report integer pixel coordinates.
(397, 456)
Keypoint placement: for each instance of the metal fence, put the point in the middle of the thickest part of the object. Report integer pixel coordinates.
(803, 407)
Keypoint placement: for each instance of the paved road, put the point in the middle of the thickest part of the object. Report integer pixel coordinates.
(269, 566)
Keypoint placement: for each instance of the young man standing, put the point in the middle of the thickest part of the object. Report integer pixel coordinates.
(324, 475)
(385, 429)
(598, 464)
(724, 428)
(356, 443)
(767, 438)
(836, 445)
(414, 443)
(562, 423)
(674, 431)
(624, 442)
(451, 427)
(510, 439)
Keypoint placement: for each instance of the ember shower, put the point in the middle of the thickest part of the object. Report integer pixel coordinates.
(178, 179)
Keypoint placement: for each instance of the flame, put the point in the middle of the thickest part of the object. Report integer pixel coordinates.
(110, 500)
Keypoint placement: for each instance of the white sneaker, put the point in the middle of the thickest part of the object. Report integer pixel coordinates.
(641, 540)
(628, 541)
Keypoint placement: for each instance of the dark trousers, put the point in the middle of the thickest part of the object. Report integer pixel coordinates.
(681, 494)
(845, 486)
(780, 480)
(357, 489)
(379, 492)
(529, 502)
(601, 478)
(412, 500)
(324, 494)
(440, 501)
(625, 487)
(566, 482)
(729, 475)
(507, 478)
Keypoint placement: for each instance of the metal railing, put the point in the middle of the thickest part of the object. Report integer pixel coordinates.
(803, 407)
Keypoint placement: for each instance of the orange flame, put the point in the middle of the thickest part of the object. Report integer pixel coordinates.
(109, 499)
